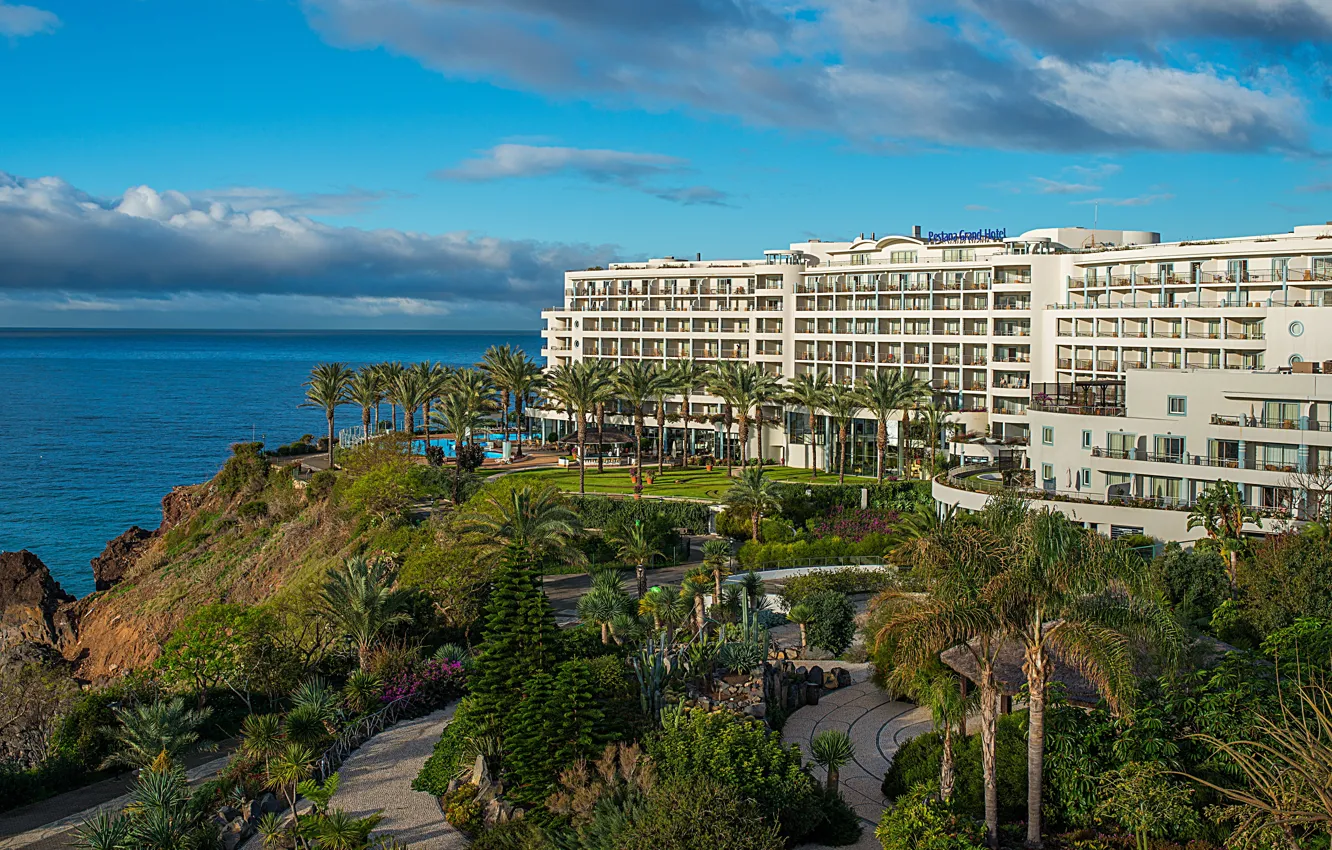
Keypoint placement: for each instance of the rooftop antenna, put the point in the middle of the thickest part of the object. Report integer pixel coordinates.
(1096, 214)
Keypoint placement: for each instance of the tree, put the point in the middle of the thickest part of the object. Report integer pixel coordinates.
(753, 493)
(502, 364)
(717, 560)
(146, 731)
(831, 750)
(936, 688)
(667, 607)
(886, 393)
(802, 615)
(687, 376)
(576, 387)
(412, 390)
(635, 383)
(833, 625)
(359, 597)
(532, 518)
(292, 766)
(1143, 798)
(1221, 512)
(366, 389)
(696, 585)
(327, 390)
(810, 390)
(434, 378)
(389, 376)
(526, 379)
(634, 546)
(211, 647)
(936, 421)
(1079, 593)
(842, 404)
(605, 601)
(602, 375)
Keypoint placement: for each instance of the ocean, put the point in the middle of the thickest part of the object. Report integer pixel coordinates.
(97, 426)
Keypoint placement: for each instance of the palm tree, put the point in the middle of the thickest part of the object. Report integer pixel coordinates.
(1085, 596)
(575, 386)
(724, 381)
(666, 606)
(635, 383)
(527, 379)
(766, 390)
(389, 375)
(435, 378)
(717, 560)
(810, 390)
(755, 494)
(958, 564)
(687, 376)
(665, 387)
(886, 393)
(364, 389)
(936, 688)
(412, 390)
(802, 615)
(529, 518)
(633, 546)
(1221, 512)
(261, 736)
(291, 768)
(500, 365)
(832, 749)
(602, 374)
(327, 389)
(842, 404)
(144, 732)
(696, 585)
(605, 602)
(936, 419)
(360, 599)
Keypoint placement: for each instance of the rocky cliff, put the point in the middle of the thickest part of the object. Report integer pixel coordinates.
(30, 602)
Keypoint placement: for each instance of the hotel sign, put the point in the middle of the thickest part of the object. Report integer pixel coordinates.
(990, 235)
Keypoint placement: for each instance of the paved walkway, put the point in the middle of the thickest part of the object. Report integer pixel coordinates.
(379, 776)
(877, 724)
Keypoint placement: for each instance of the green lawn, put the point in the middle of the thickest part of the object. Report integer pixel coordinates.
(692, 482)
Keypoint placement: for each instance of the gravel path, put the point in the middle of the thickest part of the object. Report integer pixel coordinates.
(379, 776)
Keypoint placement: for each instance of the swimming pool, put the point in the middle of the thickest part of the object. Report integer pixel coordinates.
(448, 445)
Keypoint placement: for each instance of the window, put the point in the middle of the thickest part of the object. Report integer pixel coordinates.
(1047, 435)
(1047, 471)
(1281, 414)
(1296, 328)
(902, 256)
(1086, 439)
(1166, 490)
(1177, 405)
(1119, 444)
(959, 255)
(1118, 531)
(1169, 449)
(1084, 478)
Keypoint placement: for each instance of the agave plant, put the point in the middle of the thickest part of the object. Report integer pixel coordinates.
(653, 666)
(362, 692)
(105, 831)
(454, 653)
(740, 656)
(831, 749)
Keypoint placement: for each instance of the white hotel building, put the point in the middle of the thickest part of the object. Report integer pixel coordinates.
(1127, 373)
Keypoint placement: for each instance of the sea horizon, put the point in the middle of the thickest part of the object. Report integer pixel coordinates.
(101, 423)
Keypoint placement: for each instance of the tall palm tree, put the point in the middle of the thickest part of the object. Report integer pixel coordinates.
(360, 598)
(717, 559)
(145, 731)
(462, 415)
(1087, 597)
(958, 564)
(1220, 511)
(500, 364)
(411, 391)
(810, 390)
(327, 389)
(665, 387)
(937, 688)
(936, 419)
(633, 546)
(885, 393)
(364, 390)
(635, 383)
(575, 386)
(842, 404)
(688, 376)
(696, 585)
(527, 381)
(528, 518)
(435, 377)
(389, 375)
(755, 494)
(725, 382)
(602, 374)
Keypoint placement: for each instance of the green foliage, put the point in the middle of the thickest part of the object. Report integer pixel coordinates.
(688, 814)
(321, 485)
(920, 821)
(833, 621)
(1285, 577)
(803, 551)
(255, 509)
(217, 644)
(849, 580)
(462, 810)
(144, 731)
(1147, 802)
(245, 471)
(744, 757)
(734, 525)
(162, 815)
(1304, 645)
(446, 760)
(899, 496)
(1195, 581)
(386, 492)
(917, 762)
(604, 512)
(560, 720)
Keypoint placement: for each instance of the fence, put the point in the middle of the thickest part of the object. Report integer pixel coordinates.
(358, 733)
(815, 563)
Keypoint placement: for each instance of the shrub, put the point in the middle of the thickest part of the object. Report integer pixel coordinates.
(470, 457)
(434, 455)
(432, 684)
(920, 821)
(1287, 576)
(604, 512)
(804, 551)
(734, 526)
(252, 510)
(386, 491)
(462, 810)
(447, 757)
(898, 496)
(918, 760)
(1195, 581)
(321, 485)
(833, 624)
(849, 580)
(854, 524)
(686, 815)
(836, 823)
(246, 469)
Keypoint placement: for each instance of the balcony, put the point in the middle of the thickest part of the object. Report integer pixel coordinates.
(1279, 424)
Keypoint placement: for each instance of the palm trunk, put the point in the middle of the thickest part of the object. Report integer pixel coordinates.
(605, 632)
(638, 451)
(901, 447)
(365, 421)
(520, 402)
(813, 448)
(504, 412)
(841, 454)
(640, 573)
(758, 431)
(744, 439)
(330, 439)
(426, 422)
(1036, 677)
(716, 587)
(802, 636)
(661, 434)
(700, 613)
(726, 438)
(601, 435)
(582, 452)
(376, 417)
(989, 699)
(946, 765)
(833, 777)
(882, 439)
(754, 519)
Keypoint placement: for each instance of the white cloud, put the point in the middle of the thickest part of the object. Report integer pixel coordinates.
(56, 239)
(1047, 186)
(17, 21)
(1136, 201)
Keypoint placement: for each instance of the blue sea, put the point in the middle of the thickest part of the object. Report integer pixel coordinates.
(96, 426)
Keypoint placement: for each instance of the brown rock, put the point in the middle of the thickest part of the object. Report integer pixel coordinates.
(119, 555)
(176, 506)
(29, 598)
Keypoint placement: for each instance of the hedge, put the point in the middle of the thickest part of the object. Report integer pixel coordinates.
(847, 581)
(801, 552)
(601, 511)
(822, 499)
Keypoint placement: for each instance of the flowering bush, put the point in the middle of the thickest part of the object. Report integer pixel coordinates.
(854, 524)
(430, 684)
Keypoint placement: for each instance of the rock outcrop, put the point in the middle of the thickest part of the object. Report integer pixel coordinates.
(29, 601)
(119, 555)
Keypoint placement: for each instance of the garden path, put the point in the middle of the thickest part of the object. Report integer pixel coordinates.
(379, 775)
(877, 724)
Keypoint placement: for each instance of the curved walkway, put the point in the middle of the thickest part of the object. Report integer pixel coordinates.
(379, 775)
(877, 724)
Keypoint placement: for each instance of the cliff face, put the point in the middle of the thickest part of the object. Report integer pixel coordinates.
(206, 550)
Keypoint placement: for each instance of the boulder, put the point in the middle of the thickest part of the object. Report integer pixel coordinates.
(830, 681)
(758, 710)
(119, 555)
(176, 506)
(815, 675)
(29, 599)
(843, 677)
(812, 694)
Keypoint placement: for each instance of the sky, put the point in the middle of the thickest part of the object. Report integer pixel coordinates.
(440, 163)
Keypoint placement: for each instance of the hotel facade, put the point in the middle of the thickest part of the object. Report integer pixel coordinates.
(1119, 374)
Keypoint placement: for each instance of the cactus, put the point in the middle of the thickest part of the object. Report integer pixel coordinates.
(653, 666)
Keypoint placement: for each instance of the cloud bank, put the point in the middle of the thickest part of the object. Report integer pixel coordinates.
(1027, 74)
(59, 244)
(17, 21)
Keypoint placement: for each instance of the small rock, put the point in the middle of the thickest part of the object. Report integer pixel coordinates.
(843, 677)
(815, 675)
(830, 681)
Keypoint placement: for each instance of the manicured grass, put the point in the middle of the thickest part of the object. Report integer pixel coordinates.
(692, 482)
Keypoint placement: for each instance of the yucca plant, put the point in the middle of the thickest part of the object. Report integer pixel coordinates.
(802, 615)
(105, 831)
(832, 749)
(317, 697)
(362, 692)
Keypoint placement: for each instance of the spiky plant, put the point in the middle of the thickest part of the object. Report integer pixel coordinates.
(146, 730)
(359, 597)
(832, 750)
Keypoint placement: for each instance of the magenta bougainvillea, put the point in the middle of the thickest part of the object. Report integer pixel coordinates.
(430, 684)
(854, 524)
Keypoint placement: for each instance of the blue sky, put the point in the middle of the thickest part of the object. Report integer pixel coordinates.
(438, 163)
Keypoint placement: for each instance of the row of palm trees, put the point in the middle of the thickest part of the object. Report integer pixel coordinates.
(464, 401)
(1009, 576)
(506, 380)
